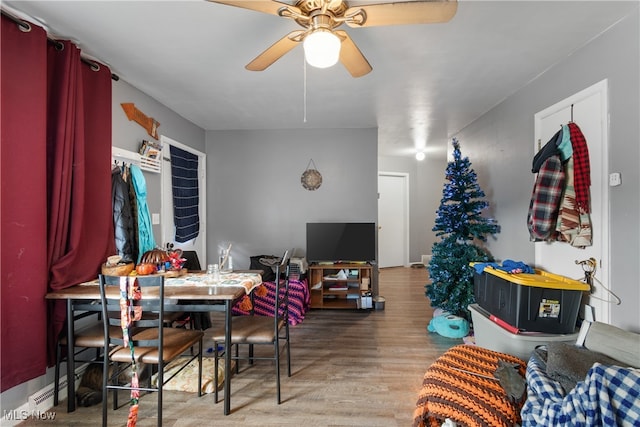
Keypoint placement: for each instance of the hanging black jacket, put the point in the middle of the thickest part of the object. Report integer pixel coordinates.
(549, 149)
(123, 219)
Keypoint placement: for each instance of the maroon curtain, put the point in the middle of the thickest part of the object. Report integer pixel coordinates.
(23, 204)
(71, 106)
(78, 173)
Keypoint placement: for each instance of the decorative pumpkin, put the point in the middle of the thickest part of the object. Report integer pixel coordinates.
(154, 256)
(145, 269)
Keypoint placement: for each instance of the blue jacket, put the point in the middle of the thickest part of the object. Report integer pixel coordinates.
(146, 242)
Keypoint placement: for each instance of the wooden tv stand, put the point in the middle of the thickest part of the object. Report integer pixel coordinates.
(327, 291)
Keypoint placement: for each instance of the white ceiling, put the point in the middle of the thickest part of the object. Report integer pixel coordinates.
(428, 81)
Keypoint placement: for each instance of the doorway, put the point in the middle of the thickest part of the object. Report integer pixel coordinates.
(393, 219)
(589, 110)
(199, 244)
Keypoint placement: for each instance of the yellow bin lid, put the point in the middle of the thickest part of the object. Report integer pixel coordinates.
(539, 279)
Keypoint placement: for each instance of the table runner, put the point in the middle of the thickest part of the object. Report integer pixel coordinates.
(249, 281)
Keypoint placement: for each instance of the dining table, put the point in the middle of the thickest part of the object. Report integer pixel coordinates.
(192, 292)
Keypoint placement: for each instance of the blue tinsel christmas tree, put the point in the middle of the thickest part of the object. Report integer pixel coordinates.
(459, 226)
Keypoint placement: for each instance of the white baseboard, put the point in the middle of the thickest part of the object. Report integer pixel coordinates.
(36, 408)
(39, 403)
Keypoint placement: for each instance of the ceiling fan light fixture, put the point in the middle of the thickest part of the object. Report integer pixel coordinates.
(321, 48)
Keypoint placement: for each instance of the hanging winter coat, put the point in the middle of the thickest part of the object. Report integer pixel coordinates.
(574, 226)
(545, 199)
(122, 217)
(134, 209)
(549, 149)
(146, 241)
(581, 168)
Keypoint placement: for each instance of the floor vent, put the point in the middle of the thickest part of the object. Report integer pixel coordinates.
(43, 399)
(38, 405)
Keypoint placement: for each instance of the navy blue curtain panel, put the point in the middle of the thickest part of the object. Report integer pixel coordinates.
(184, 182)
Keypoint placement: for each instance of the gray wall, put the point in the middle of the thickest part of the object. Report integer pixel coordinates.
(255, 197)
(426, 180)
(129, 134)
(499, 145)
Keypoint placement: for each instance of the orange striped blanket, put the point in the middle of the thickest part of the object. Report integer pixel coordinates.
(460, 385)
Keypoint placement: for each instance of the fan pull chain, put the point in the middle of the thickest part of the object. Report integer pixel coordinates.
(304, 72)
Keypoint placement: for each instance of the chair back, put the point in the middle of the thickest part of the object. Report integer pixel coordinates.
(137, 306)
(281, 303)
(138, 301)
(192, 262)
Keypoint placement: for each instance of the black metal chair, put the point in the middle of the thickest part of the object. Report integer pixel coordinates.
(192, 262)
(261, 330)
(194, 320)
(90, 336)
(146, 340)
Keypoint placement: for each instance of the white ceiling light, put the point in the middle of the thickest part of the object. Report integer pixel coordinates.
(420, 155)
(321, 48)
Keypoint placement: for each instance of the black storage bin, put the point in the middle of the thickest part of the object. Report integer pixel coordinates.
(540, 302)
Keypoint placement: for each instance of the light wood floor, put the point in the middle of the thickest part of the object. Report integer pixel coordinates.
(350, 368)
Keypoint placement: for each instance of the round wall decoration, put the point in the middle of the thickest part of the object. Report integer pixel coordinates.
(311, 179)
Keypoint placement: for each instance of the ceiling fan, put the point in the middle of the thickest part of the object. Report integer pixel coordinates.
(324, 45)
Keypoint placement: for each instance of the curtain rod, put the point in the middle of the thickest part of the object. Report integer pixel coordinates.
(26, 27)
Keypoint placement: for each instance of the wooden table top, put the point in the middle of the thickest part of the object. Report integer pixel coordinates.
(192, 286)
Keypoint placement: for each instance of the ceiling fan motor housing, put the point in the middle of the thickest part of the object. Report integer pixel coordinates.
(325, 16)
(336, 7)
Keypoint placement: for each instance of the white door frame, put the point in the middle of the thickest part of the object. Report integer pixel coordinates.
(407, 233)
(599, 89)
(166, 200)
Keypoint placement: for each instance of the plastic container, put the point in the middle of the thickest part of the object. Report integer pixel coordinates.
(540, 302)
(489, 334)
(378, 303)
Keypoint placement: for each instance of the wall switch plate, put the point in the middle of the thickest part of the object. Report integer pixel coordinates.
(155, 219)
(615, 179)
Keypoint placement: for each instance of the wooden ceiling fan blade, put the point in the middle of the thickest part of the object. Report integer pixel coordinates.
(402, 13)
(351, 57)
(265, 6)
(275, 51)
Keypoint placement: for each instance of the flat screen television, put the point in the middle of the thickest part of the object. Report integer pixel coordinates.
(341, 241)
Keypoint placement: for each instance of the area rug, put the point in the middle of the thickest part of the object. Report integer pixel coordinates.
(187, 379)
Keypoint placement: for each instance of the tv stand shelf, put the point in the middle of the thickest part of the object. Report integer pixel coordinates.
(328, 289)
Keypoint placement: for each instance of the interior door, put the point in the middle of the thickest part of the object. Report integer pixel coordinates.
(393, 219)
(168, 226)
(589, 110)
